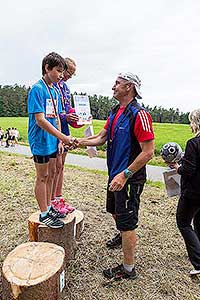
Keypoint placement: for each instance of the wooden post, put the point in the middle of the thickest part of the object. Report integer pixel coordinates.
(34, 271)
(63, 237)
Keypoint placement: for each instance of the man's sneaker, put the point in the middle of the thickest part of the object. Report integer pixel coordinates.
(51, 221)
(115, 242)
(118, 273)
(56, 214)
(194, 272)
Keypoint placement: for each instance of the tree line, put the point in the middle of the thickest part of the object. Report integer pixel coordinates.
(13, 103)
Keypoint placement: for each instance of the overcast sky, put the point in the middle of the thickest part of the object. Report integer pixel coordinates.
(159, 40)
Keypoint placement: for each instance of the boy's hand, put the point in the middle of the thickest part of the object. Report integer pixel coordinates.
(72, 117)
(60, 148)
(70, 143)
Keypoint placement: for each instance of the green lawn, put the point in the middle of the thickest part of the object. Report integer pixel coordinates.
(164, 133)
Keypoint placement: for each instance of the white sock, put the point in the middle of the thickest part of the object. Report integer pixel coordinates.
(44, 213)
(128, 268)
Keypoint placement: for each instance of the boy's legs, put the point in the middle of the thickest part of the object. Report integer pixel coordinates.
(41, 185)
(51, 178)
(60, 174)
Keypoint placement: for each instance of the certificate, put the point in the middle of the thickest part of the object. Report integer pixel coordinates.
(82, 108)
(172, 182)
(91, 150)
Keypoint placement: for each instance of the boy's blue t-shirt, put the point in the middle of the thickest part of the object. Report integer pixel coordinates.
(39, 101)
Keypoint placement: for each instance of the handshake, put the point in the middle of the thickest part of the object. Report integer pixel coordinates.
(72, 143)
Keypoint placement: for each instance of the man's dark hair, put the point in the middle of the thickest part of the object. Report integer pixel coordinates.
(53, 60)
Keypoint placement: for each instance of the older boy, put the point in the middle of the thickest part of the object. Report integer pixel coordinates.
(43, 134)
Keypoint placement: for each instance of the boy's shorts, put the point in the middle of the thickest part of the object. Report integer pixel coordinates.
(39, 159)
(124, 205)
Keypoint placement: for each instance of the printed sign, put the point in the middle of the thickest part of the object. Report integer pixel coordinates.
(82, 108)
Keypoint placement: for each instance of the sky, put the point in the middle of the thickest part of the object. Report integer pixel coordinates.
(159, 40)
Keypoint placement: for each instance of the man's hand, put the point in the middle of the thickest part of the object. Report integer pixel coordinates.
(70, 142)
(118, 182)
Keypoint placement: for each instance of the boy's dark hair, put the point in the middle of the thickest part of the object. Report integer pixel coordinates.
(53, 60)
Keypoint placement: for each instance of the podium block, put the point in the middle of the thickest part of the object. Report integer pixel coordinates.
(64, 237)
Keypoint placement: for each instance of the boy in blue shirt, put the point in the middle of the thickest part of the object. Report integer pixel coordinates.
(44, 134)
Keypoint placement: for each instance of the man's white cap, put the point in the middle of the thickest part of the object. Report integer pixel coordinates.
(135, 80)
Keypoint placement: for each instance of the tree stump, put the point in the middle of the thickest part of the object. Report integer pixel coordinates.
(34, 271)
(63, 237)
(79, 224)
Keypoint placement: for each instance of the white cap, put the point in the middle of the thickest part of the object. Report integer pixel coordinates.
(135, 80)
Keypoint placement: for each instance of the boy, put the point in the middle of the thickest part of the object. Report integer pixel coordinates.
(66, 117)
(43, 134)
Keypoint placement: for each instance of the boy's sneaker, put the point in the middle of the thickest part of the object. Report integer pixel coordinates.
(56, 214)
(194, 272)
(50, 221)
(118, 273)
(115, 242)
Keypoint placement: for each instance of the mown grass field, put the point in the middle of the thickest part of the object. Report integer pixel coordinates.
(164, 132)
(161, 259)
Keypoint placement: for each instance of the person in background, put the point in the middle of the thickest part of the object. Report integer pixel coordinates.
(12, 136)
(1, 136)
(16, 133)
(67, 116)
(130, 145)
(7, 137)
(188, 209)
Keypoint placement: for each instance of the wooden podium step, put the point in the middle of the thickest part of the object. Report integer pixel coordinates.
(65, 237)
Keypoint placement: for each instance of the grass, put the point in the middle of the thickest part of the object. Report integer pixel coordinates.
(164, 133)
(161, 260)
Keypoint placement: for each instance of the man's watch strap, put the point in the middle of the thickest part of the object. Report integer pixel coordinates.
(128, 173)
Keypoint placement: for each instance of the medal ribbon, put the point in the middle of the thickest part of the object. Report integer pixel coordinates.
(62, 97)
(51, 96)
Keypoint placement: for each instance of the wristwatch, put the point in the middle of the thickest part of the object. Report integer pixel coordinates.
(128, 173)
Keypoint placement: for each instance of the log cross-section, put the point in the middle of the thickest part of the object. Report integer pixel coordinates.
(34, 271)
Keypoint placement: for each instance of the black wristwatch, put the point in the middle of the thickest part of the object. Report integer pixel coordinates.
(128, 173)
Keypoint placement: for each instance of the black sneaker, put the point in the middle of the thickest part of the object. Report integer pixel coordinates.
(56, 214)
(51, 221)
(118, 273)
(115, 242)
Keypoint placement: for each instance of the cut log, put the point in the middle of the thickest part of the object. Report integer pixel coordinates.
(63, 237)
(34, 271)
(79, 223)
